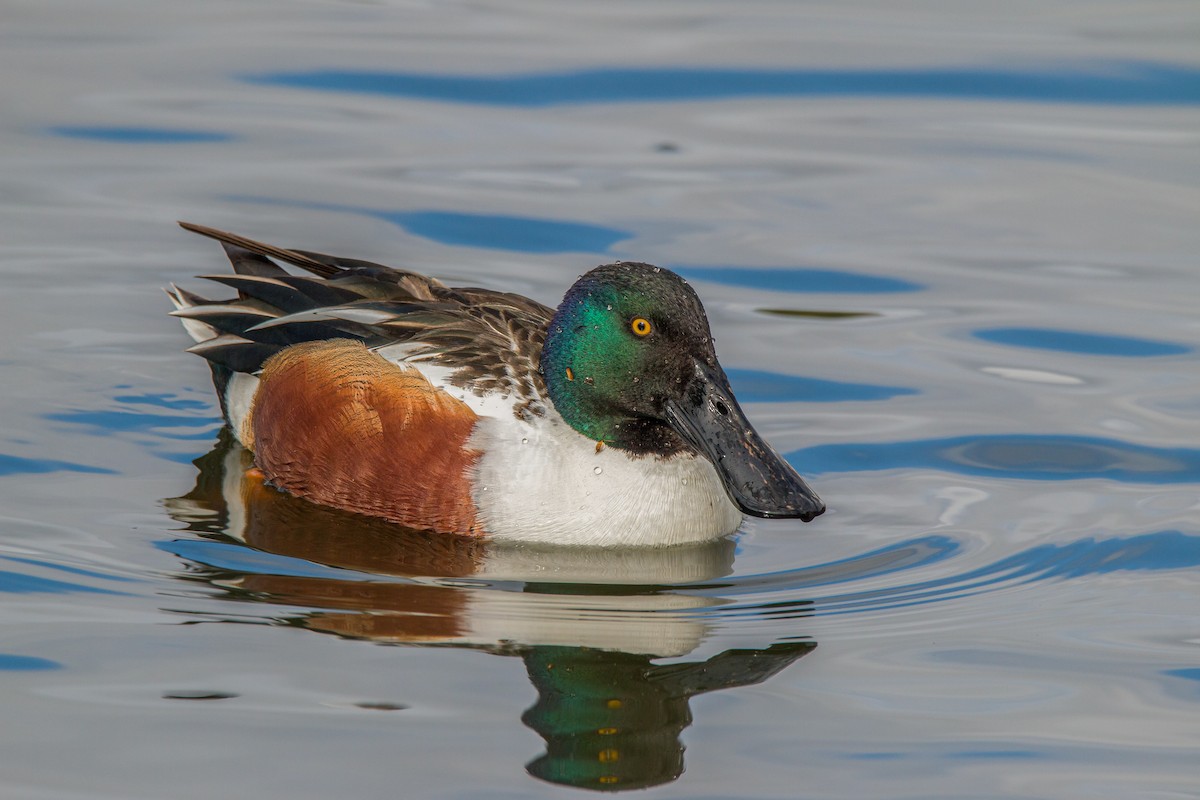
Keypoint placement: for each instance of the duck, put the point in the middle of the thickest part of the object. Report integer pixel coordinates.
(376, 390)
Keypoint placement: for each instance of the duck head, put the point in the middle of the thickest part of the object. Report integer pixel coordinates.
(629, 362)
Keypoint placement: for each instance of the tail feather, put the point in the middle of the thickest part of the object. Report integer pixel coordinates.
(274, 308)
(468, 329)
(259, 248)
(274, 292)
(235, 353)
(183, 300)
(247, 262)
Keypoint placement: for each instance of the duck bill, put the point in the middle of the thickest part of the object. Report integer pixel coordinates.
(757, 479)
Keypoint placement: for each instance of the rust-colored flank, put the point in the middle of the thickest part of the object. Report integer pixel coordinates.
(342, 426)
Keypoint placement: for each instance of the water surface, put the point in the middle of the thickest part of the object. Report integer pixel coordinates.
(949, 259)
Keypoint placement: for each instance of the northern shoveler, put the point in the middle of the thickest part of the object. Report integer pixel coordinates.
(384, 392)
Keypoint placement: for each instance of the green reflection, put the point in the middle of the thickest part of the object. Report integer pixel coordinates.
(612, 720)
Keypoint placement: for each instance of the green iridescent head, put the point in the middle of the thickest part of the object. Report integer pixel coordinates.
(621, 342)
(629, 362)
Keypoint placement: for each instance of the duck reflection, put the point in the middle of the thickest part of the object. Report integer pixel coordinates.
(588, 624)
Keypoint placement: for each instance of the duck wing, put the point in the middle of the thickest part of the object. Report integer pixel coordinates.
(489, 341)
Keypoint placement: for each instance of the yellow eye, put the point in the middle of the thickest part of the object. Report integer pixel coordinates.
(640, 326)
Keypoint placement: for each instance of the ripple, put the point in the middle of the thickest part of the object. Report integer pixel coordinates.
(505, 232)
(904, 556)
(139, 417)
(1033, 376)
(238, 558)
(1021, 456)
(79, 571)
(1150, 552)
(108, 423)
(15, 663)
(783, 279)
(16, 465)
(20, 583)
(1079, 342)
(164, 400)
(1114, 82)
(132, 135)
(755, 386)
(485, 231)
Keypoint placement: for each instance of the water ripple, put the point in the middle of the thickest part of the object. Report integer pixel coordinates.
(14, 663)
(1036, 457)
(756, 386)
(132, 135)
(486, 231)
(16, 465)
(1150, 552)
(1081, 342)
(20, 583)
(505, 232)
(107, 423)
(802, 279)
(1112, 83)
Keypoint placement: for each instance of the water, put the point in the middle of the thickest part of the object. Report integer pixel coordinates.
(949, 257)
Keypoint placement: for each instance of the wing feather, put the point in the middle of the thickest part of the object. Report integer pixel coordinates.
(490, 341)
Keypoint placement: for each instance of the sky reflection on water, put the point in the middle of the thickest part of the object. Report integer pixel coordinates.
(1048, 457)
(788, 279)
(10, 662)
(1119, 83)
(1098, 344)
(133, 135)
(759, 386)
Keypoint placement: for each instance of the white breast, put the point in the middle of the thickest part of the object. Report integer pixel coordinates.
(545, 482)
(542, 481)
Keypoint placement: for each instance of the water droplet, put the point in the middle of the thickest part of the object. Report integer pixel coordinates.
(598, 470)
(524, 440)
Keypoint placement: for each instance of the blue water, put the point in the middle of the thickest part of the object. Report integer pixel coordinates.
(948, 256)
(140, 136)
(16, 663)
(1082, 342)
(1124, 83)
(15, 465)
(798, 279)
(759, 386)
(1021, 456)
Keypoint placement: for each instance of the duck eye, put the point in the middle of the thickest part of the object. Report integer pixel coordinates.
(640, 326)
